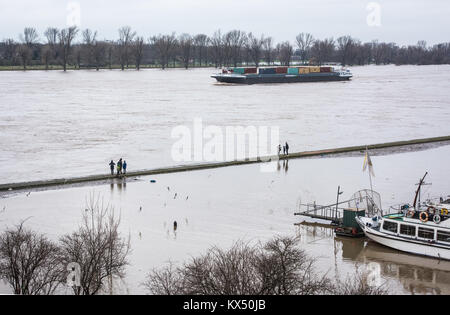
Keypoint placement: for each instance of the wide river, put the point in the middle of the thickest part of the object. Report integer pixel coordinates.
(56, 124)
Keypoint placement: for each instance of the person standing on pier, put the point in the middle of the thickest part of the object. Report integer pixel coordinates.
(119, 166)
(111, 166)
(279, 149)
(287, 148)
(124, 167)
(284, 150)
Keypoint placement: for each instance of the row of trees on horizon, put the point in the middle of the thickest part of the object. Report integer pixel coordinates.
(78, 48)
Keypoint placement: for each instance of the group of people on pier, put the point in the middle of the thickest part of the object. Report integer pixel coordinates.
(121, 167)
(285, 149)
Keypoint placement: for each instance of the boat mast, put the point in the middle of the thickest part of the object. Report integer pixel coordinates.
(418, 190)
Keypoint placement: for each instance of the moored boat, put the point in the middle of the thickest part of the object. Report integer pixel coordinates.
(423, 229)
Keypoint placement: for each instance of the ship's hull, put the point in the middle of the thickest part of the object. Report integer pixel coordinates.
(412, 246)
(280, 78)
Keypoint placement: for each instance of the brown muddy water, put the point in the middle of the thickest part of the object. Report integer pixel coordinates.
(220, 206)
(55, 124)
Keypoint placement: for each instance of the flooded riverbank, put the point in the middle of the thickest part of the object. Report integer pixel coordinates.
(220, 206)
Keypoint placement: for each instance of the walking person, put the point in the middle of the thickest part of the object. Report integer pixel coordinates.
(287, 148)
(284, 149)
(124, 167)
(279, 149)
(111, 166)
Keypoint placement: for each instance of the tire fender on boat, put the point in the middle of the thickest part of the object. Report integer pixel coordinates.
(431, 210)
(422, 218)
(437, 218)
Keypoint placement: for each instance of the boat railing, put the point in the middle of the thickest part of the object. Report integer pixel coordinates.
(332, 212)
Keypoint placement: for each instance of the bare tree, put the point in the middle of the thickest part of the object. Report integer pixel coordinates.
(29, 37)
(165, 281)
(99, 52)
(29, 262)
(346, 49)
(217, 48)
(323, 50)
(227, 49)
(126, 36)
(138, 51)
(201, 42)
(46, 55)
(185, 43)
(255, 47)
(285, 53)
(363, 53)
(110, 47)
(278, 267)
(165, 46)
(66, 37)
(235, 41)
(9, 49)
(51, 34)
(98, 248)
(304, 42)
(89, 42)
(268, 50)
(24, 53)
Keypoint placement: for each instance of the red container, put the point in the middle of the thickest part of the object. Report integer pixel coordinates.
(281, 69)
(250, 70)
(325, 69)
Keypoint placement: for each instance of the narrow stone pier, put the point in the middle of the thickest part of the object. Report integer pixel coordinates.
(202, 166)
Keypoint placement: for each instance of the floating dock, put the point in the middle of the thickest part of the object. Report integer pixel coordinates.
(203, 166)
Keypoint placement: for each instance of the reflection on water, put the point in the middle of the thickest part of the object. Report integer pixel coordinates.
(418, 275)
(118, 183)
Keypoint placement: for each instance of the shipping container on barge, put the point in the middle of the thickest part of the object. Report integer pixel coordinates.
(282, 74)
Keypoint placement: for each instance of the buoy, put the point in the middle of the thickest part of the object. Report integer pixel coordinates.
(437, 218)
(423, 213)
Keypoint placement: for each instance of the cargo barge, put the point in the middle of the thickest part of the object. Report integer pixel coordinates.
(282, 75)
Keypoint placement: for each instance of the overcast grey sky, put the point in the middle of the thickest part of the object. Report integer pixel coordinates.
(401, 21)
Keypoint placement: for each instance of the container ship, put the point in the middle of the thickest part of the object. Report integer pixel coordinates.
(282, 74)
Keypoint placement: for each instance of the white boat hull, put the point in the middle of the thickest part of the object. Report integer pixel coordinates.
(412, 246)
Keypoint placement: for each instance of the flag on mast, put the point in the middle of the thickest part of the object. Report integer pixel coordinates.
(368, 163)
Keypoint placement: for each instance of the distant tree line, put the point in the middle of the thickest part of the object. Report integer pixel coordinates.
(83, 49)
